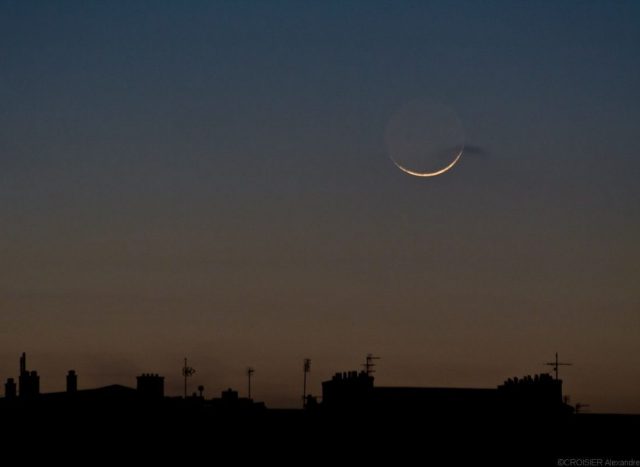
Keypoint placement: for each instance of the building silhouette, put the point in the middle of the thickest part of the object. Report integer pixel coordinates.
(344, 393)
(539, 395)
(528, 410)
(10, 390)
(149, 394)
(150, 386)
(72, 382)
(29, 381)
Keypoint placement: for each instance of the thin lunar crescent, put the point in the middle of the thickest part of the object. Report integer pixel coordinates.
(430, 174)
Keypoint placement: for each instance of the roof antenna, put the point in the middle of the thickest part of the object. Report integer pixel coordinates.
(368, 365)
(187, 372)
(306, 368)
(556, 364)
(250, 372)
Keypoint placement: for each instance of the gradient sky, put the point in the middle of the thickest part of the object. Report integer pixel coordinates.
(210, 179)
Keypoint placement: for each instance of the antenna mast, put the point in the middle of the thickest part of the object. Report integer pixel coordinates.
(250, 372)
(306, 368)
(556, 364)
(368, 365)
(187, 372)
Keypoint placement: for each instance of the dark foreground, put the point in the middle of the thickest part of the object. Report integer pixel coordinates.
(295, 437)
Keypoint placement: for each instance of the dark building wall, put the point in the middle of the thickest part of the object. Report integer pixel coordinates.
(229, 402)
(229, 395)
(349, 389)
(72, 382)
(540, 392)
(29, 384)
(352, 390)
(436, 400)
(151, 386)
(10, 391)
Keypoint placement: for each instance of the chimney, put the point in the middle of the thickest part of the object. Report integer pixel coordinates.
(35, 383)
(72, 381)
(29, 381)
(10, 389)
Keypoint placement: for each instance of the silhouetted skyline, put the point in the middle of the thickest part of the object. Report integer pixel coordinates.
(210, 179)
(528, 417)
(529, 395)
(526, 398)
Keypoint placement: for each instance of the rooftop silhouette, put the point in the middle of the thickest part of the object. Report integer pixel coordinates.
(345, 391)
(532, 408)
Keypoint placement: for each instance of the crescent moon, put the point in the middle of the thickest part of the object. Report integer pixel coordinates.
(430, 174)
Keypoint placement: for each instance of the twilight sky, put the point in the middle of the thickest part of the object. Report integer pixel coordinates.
(210, 179)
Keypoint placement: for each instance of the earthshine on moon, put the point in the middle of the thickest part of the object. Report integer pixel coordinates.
(425, 138)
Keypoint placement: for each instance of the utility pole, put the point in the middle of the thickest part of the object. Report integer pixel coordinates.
(250, 371)
(187, 372)
(306, 368)
(556, 364)
(368, 365)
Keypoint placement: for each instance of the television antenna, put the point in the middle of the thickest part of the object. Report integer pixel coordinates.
(187, 372)
(306, 368)
(250, 372)
(368, 365)
(556, 364)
